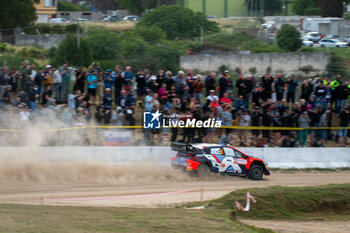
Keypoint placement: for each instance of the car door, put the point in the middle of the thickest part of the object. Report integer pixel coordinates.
(215, 155)
(230, 164)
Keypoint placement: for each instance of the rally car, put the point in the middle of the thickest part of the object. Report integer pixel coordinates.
(203, 159)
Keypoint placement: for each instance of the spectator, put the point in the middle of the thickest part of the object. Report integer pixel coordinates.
(292, 87)
(57, 79)
(128, 78)
(198, 86)
(107, 105)
(243, 122)
(344, 117)
(304, 122)
(118, 82)
(225, 83)
(65, 73)
(80, 79)
(210, 82)
(141, 83)
(92, 85)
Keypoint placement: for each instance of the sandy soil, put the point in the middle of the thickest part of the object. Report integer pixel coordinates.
(30, 192)
(332, 226)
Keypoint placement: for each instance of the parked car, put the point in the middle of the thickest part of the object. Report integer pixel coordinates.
(203, 159)
(211, 17)
(313, 36)
(331, 43)
(113, 18)
(131, 18)
(58, 20)
(269, 25)
(329, 37)
(307, 43)
(83, 20)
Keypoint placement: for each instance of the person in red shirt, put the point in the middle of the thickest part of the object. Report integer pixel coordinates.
(225, 99)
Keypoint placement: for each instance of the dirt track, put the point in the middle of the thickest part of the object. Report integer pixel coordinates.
(214, 187)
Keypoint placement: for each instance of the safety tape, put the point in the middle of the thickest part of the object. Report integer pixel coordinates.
(118, 197)
(140, 127)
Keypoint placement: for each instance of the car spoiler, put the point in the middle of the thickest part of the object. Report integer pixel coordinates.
(184, 147)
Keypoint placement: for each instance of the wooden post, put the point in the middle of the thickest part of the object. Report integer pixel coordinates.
(201, 194)
(41, 200)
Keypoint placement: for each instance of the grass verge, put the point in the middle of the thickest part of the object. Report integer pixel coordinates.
(31, 218)
(279, 202)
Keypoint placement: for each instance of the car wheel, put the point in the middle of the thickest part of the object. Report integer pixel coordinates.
(256, 173)
(322, 46)
(203, 171)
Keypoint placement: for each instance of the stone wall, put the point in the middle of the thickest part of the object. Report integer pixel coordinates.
(289, 63)
(44, 41)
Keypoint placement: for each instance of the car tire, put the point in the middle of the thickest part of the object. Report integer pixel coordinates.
(322, 46)
(203, 171)
(255, 173)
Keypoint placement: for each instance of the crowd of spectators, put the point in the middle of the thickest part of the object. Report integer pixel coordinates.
(83, 95)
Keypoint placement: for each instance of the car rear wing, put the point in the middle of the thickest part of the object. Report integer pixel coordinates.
(184, 147)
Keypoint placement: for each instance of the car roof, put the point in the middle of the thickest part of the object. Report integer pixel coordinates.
(205, 145)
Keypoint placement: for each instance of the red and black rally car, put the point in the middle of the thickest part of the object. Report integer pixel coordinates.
(202, 159)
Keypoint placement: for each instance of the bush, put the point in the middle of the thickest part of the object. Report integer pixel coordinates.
(67, 6)
(239, 41)
(34, 52)
(151, 34)
(335, 65)
(104, 44)
(15, 60)
(69, 51)
(4, 48)
(288, 38)
(45, 28)
(178, 22)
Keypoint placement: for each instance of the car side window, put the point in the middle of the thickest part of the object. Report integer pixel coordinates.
(215, 151)
(229, 151)
(238, 154)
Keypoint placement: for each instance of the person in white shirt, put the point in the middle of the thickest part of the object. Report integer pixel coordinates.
(243, 121)
(57, 79)
(212, 96)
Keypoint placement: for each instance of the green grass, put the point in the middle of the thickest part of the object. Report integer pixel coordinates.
(279, 202)
(31, 218)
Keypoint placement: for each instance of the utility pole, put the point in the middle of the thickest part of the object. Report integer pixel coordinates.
(78, 35)
(262, 8)
(202, 35)
(158, 3)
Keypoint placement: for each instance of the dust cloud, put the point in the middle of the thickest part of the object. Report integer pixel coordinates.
(26, 167)
(34, 171)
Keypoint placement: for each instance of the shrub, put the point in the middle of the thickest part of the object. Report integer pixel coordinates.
(178, 22)
(335, 66)
(6, 49)
(151, 34)
(104, 44)
(15, 60)
(288, 38)
(69, 51)
(34, 52)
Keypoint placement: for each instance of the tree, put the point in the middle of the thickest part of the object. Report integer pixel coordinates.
(68, 51)
(306, 7)
(178, 22)
(139, 6)
(270, 6)
(288, 38)
(104, 44)
(67, 6)
(17, 13)
(331, 8)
